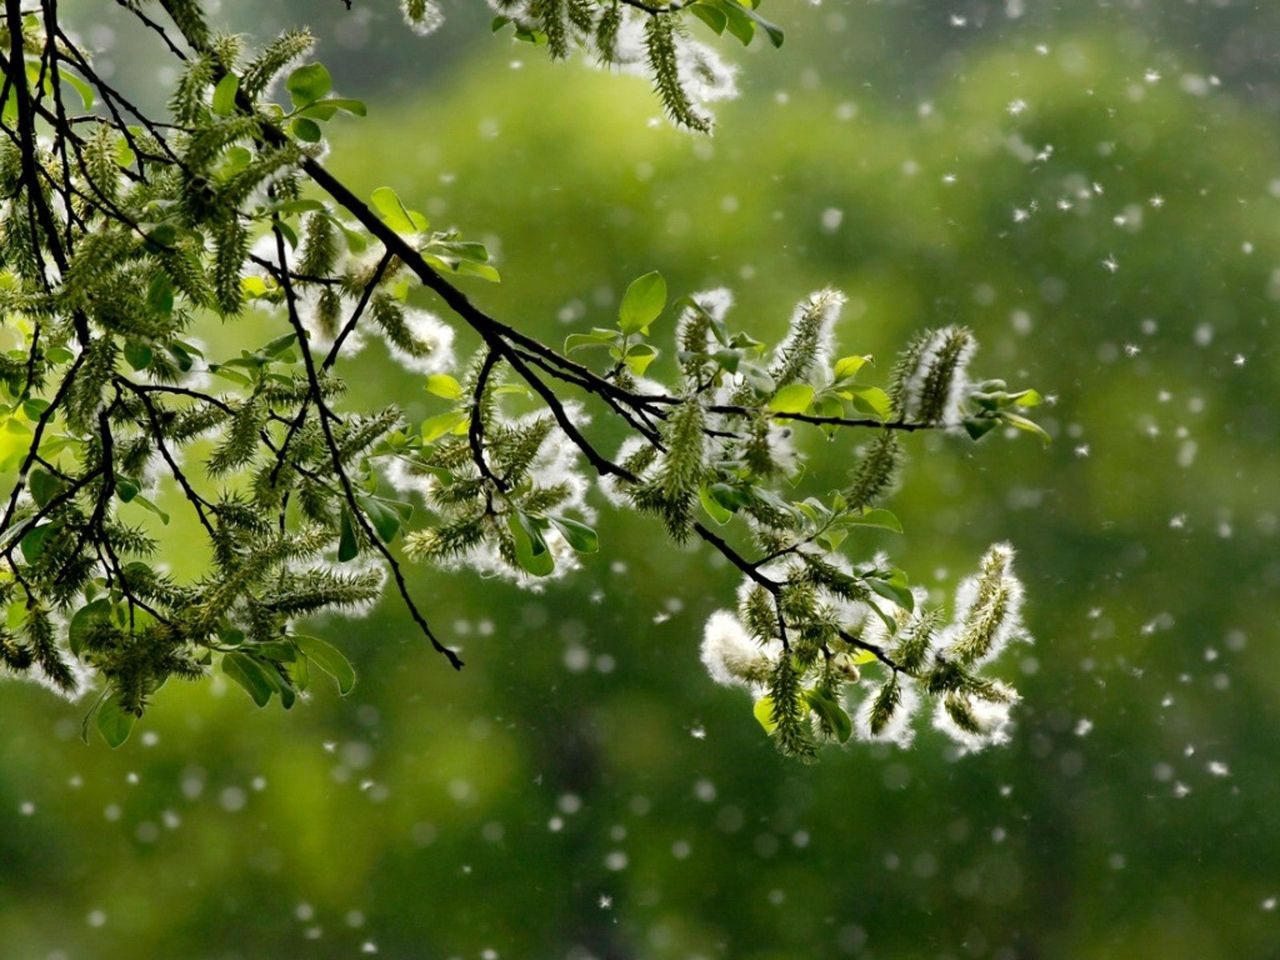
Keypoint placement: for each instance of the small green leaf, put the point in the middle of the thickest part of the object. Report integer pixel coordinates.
(638, 358)
(224, 95)
(979, 427)
(348, 546)
(33, 542)
(80, 87)
(114, 722)
(250, 674)
(713, 18)
(736, 20)
(879, 517)
(642, 303)
(759, 378)
(793, 398)
(443, 385)
(160, 294)
(308, 83)
(531, 550)
(395, 214)
(84, 620)
(127, 489)
(329, 659)
(148, 505)
(587, 341)
(764, 714)
(1029, 426)
(832, 715)
(581, 537)
(893, 586)
(44, 486)
(347, 105)
(433, 428)
(138, 354)
(718, 512)
(385, 520)
(773, 31)
(306, 130)
(874, 401)
(849, 366)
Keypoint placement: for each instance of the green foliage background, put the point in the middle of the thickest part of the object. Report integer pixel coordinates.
(582, 789)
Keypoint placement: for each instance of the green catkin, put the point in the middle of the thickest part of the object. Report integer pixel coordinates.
(660, 47)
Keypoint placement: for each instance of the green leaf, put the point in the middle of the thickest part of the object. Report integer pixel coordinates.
(532, 552)
(224, 95)
(84, 620)
(759, 378)
(736, 20)
(879, 517)
(348, 546)
(44, 486)
(638, 358)
(160, 294)
(793, 398)
(849, 366)
(308, 84)
(642, 303)
(385, 520)
(832, 715)
(712, 17)
(279, 345)
(250, 674)
(33, 542)
(586, 341)
(15, 441)
(114, 722)
(148, 505)
(306, 130)
(433, 428)
(874, 401)
(347, 105)
(443, 385)
(979, 427)
(329, 659)
(1029, 426)
(395, 214)
(763, 711)
(581, 537)
(79, 86)
(138, 354)
(718, 512)
(1027, 398)
(893, 586)
(126, 489)
(773, 31)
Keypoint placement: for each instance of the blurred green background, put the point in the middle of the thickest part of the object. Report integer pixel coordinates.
(1096, 191)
